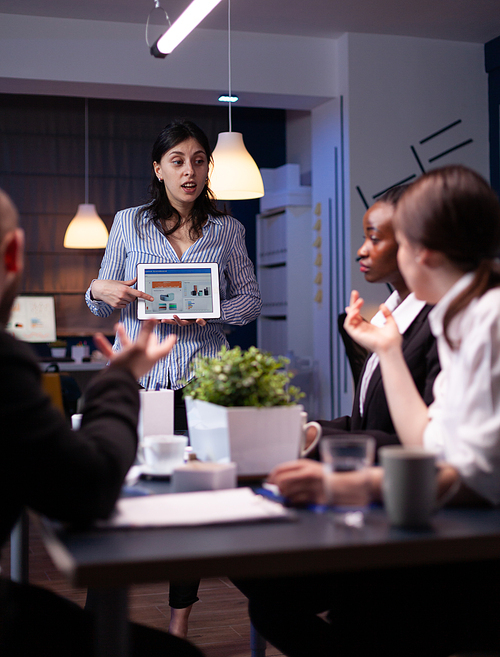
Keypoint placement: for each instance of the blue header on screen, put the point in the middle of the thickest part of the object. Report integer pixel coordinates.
(177, 271)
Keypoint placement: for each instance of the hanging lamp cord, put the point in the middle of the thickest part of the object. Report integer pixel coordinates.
(229, 59)
(86, 150)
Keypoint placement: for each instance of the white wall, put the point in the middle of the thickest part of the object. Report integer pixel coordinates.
(112, 60)
(395, 91)
(401, 90)
(298, 142)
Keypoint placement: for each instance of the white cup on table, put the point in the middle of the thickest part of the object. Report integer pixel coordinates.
(305, 451)
(161, 454)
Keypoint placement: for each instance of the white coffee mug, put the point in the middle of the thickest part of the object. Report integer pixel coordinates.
(76, 421)
(409, 486)
(304, 451)
(161, 454)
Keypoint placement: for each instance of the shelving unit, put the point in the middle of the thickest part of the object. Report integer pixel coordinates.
(284, 272)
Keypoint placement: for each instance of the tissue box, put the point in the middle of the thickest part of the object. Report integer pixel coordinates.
(156, 415)
(197, 475)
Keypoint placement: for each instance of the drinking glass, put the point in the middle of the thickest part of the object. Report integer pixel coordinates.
(350, 454)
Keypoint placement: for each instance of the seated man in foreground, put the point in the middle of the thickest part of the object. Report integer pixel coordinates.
(73, 476)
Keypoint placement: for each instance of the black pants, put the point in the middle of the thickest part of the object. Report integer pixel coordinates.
(180, 417)
(181, 595)
(35, 622)
(434, 611)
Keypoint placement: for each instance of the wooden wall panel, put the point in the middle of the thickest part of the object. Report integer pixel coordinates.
(73, 318)
(42, 167)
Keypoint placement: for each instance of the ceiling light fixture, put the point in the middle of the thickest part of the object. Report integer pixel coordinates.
(234, 175)
(86, 230)
(184, 25)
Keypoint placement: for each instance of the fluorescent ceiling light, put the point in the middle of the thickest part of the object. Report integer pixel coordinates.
(187, 21)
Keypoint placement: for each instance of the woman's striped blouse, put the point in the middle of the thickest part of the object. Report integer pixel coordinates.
(222, 241)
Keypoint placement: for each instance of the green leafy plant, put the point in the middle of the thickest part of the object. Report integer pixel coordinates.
(243, 378)
(58, 344)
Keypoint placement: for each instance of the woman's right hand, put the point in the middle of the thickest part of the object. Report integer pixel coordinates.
(373, 338)
(117, 294)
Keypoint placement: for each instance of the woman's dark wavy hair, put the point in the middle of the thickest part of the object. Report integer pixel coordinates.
(158, 209)
(453, 210)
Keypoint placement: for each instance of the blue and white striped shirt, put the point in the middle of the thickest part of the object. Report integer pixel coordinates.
(222, 241)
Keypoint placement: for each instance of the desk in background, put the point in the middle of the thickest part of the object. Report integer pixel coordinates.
(82, 372)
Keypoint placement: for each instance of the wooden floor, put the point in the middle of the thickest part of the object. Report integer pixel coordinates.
(219, 623)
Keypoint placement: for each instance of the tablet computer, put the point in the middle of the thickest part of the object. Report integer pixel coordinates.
(189, 290)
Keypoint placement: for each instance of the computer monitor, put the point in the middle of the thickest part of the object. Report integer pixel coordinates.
(33, 319)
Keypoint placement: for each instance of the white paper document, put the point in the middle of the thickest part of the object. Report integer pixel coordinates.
(200, 508)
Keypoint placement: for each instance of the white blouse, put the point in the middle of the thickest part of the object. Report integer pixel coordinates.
(464, 419)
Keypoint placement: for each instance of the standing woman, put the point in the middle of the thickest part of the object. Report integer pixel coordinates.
(180, 223)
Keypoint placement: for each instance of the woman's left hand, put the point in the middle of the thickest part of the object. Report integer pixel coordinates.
(306, 481)
(184, 322)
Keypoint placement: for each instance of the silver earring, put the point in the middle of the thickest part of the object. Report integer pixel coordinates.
(160, 179)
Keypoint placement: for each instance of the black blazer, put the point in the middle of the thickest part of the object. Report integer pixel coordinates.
(73, 476)
(420, 354)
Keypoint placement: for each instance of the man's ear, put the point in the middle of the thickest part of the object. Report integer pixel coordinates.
(13, 251)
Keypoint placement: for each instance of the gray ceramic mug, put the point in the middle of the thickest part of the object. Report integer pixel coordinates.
(409, 486)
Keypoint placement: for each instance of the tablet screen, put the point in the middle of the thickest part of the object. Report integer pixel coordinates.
(188, 290)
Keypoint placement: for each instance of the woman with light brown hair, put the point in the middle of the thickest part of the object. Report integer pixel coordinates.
(448, 231)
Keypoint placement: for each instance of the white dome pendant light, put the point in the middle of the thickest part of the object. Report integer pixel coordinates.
(234, 175)
(86, 230)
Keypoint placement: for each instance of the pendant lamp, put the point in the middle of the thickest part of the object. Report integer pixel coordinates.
(234, 176)
(86, 230)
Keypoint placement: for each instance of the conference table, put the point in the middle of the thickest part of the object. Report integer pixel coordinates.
(110, 560)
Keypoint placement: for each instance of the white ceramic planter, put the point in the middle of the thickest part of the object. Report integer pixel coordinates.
(256, 439)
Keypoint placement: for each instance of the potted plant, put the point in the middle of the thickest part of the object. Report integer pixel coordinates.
(58, 348)
(242, 408)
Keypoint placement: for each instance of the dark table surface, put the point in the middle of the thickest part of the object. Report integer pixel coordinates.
(312, 542)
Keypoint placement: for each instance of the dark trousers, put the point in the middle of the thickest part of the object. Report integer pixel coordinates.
(180, 417)
(434, 611)
(35, 622)
(181, 595)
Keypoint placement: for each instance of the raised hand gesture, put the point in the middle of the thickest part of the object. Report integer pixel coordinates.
(371, 337)
(138, 357)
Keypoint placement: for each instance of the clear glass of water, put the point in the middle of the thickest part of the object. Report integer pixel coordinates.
(353, 454)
